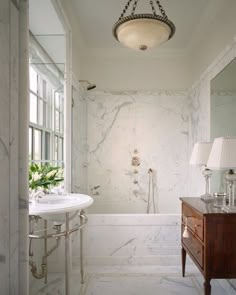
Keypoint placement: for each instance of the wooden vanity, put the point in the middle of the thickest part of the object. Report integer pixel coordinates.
(210, 241)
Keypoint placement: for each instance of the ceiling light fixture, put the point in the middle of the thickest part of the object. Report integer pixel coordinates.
(143, 31)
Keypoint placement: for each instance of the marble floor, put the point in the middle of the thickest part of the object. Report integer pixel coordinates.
(133, 280)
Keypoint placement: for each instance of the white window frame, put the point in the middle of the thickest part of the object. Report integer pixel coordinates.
(48, 117)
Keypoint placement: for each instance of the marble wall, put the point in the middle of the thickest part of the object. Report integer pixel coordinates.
(13, 208)
(153, 126)
(5, 210)
(79, 148)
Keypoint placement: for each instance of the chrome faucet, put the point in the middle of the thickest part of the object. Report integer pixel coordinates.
(35, 196)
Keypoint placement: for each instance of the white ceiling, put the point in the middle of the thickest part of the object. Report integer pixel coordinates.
(97, 17)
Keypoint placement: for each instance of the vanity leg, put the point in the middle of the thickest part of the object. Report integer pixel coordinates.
(81, 250)
(46, 251)
(207, 287)
(183, 255)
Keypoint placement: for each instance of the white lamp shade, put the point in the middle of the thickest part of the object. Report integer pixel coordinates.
(223, 154)
(200, 153)
(143, 33)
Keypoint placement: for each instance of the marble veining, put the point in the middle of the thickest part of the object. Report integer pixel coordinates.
(79, 147)
(133, 239)
(153, 123)
(3, 150)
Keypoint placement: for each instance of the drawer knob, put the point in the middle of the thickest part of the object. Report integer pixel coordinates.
(185, 232)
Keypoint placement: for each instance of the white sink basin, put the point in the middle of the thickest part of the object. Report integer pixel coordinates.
(53, 207)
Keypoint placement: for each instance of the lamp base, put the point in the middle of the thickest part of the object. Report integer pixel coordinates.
(229, 209)
(207, 198)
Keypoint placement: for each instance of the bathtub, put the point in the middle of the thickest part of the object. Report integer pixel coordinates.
(132, 239)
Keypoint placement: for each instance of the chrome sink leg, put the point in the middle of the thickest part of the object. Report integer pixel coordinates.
(46, 251)
(67, 256)
(81, 248)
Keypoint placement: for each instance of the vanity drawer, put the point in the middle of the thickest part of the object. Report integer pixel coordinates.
(194, 247)
(194, 221)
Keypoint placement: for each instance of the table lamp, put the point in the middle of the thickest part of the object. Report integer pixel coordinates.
(223, 157)
(199, 157)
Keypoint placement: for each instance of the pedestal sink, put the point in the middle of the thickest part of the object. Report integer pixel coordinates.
(53, 207)
(57, 208)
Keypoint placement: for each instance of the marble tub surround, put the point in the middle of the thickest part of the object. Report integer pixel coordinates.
(153, 123)
(136, 239)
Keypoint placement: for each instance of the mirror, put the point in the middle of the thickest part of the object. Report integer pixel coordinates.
(223, 113)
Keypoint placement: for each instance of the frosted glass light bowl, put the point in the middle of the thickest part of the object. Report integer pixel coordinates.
(53, 207)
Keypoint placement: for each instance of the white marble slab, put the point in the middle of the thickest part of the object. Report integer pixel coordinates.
(79, 148)
(150, 125)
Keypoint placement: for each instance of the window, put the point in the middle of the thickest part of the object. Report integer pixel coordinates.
(46, 125)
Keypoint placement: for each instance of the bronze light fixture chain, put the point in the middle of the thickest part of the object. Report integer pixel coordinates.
(153, 8)
(134, 7)
(161, 8)
(125, 9)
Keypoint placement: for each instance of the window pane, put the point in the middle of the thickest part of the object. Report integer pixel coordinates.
(47, 146)
(60, 149)
(33, 80)
(33, 108)
(30, 144)
(56, 148)
(57, 100)
(57, 121)
(61, 123)
(48, 116)
(49, 92)
(40, 112)
(44, 90)
(37, 144)
(61, 103)
(40, 86)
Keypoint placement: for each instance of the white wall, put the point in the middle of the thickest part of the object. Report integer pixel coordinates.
(140, 73)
